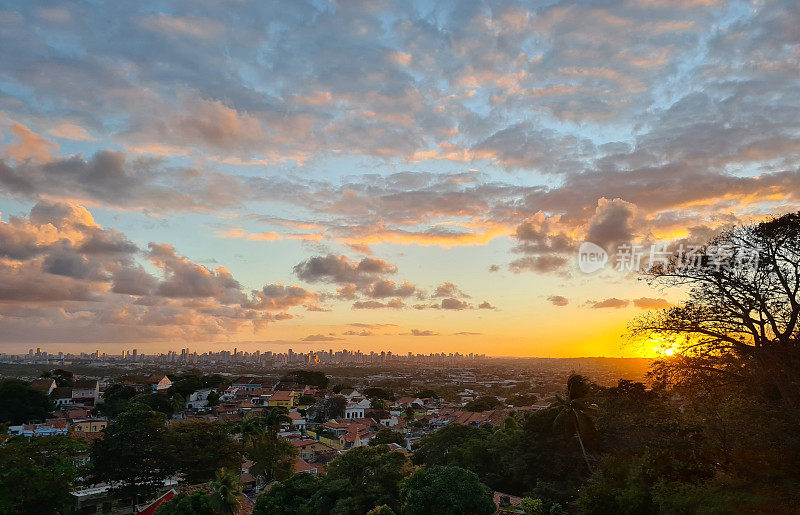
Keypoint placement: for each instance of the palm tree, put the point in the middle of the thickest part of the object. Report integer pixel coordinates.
(251, 426)
(573, 412)
(274, 418)
(226, 489)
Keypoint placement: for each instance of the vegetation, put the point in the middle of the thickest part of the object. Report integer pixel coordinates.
(225, 487)
(200, 447)
(37, 476)
(139, 451)
(194, 504)
(445, 491)
(355, 482)
(483, 404)
(308, 377)
(387, 436)
(21, 403)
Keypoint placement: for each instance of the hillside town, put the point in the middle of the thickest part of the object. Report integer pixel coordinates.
(320, 421)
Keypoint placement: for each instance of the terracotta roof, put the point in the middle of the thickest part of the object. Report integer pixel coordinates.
(512, 499)
(301, 465)
(62, 392)
(282, 395)
(86, 384)
(43, 385)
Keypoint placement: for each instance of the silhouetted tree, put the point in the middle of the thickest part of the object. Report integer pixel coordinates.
(741, 322)
(573, 412)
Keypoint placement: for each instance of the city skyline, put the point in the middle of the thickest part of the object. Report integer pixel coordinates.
(408, 176)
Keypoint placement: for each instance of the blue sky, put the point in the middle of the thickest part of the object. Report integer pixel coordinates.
(280, 173)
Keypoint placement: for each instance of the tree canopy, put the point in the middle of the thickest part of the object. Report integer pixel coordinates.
(444, 490)
(22, 404)
(37, 475)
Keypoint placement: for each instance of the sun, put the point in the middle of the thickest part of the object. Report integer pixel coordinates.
(669, 352)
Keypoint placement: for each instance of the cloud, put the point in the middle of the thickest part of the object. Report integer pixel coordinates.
(341, 269)
(182, 26)
(62, 271)
(358, 333)
(541, 264)
(454, 304)
(610, 303)
(421, 332)
(651, 303)
(72, 132)
(374, 304)
(558, 300)
(28, 146)
(448, 289)
(320, 338)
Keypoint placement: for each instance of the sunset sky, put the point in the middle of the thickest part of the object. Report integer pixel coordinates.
(406, 176)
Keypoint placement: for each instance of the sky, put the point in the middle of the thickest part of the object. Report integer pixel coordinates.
(405, 176)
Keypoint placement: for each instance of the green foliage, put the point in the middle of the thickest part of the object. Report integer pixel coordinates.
(200, 447)
(354, 483)
(387, 436)
(532, 506)
(333, 407)
(167, 404)
(381, 510)
(194, 504)
(426, 394)
(337, 388)
(224, 499)
(521, 455)
(37, 475)
(308, 377)
(376, 392)
(134, 453)
(574, 412)
(21, 403)
(185, 385)
(523, 399)
(445, 490)
(115, 399)
(289, 497)
(63, 377)
(273, 458)
(483, 404)
(306, 400)
(213, 398)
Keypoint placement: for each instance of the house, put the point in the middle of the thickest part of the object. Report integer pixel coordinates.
(307, 448)
(46, 386)
(298, 422)
(351, 395)
(300, 465)
(152, 507)
(77, 412)
(159, 383)
(356, 437)
(86, 391)
(284, 398)
(356, 410)
(507, 504)
(247, 384)
(412, 402)
(89, 425)
(198, 399)
(390, 421)
(62, 397)
(53, 428)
